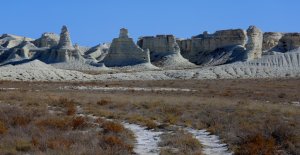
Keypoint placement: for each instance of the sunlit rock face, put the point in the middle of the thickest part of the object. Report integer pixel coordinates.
(124, 52)
(289, 42)
(164, 51)
(159, 45)
(271, 40)
(48, 40)
(254, 44)
(65, 51)
(213, 49)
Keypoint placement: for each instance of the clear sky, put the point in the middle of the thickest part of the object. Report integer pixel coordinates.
(96, 21)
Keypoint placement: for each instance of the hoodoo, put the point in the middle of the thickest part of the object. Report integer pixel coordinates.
(65, 51)
(254, 44)
(124, 52)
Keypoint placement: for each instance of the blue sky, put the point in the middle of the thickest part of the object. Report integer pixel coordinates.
(96, 21)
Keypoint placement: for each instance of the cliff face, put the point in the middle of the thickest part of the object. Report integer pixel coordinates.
(271, 40)
(164, 51)
(198, 48)
(123, 52)
(159, 46)
(290, 41)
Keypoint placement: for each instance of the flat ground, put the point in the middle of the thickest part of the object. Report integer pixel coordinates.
(251, 116)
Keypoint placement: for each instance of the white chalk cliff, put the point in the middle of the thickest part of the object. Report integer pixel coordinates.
(124, 52)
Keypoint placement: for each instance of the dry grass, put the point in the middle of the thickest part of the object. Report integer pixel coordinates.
(112, 127)
(43, 133)
(3, 128)
(179, 143)
(253, 114)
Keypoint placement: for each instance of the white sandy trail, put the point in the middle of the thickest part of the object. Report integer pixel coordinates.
(125, 88)
(211, 143)
(147, 140)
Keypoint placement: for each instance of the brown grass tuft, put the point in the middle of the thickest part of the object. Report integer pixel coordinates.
(59, 143)
(55, 122)
(3, 128)
(257, 144)
(23, 146)
(21, 120)
(78, 122)
(104, 101)
(112, 127)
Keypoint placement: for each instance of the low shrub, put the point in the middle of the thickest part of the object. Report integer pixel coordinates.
(21, 120)
(78, 122)
(56, 123)
(3, 128)
(22, 145)
(112, 127)
(104, 102)
(59, 143)
(257, 144)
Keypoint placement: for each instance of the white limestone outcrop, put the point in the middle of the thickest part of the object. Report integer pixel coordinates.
(10, 41)
(49, 40)
(289, 42)
(201, 47)
(64, 51)
(271, 40)
(164, 51)
(97, 53)
(124, 52)
(254, 44)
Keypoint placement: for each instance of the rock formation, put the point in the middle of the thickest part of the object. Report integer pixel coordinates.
(201, 47)
(289, 42)
(254, 44)
(49, 40)
(164, 51)
(64, 51)
(10, 41)
(65, 39)
(270, 40)
(123, 52)
(24, 51)
(98, 52)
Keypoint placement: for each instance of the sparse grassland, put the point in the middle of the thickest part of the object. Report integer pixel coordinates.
(252, 116)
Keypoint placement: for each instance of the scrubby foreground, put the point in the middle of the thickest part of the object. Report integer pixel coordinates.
(251, 117)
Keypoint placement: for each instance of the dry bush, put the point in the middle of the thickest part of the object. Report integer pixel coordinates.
(68, 104)
(282, 95)
(59, 143)
(257, 144)
(62, 123)
(179, 143)
(112, 127)
(150, 124)
(104, 101)
(116, 143)
(3, 128)
(21, 120)
(78, 123)
(23, 146)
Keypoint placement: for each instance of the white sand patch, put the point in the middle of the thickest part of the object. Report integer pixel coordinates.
(9, 89)
(147, 140)
(124, 88)
(211, 143)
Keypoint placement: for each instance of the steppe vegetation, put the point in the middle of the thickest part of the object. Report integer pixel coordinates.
(252, 117)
